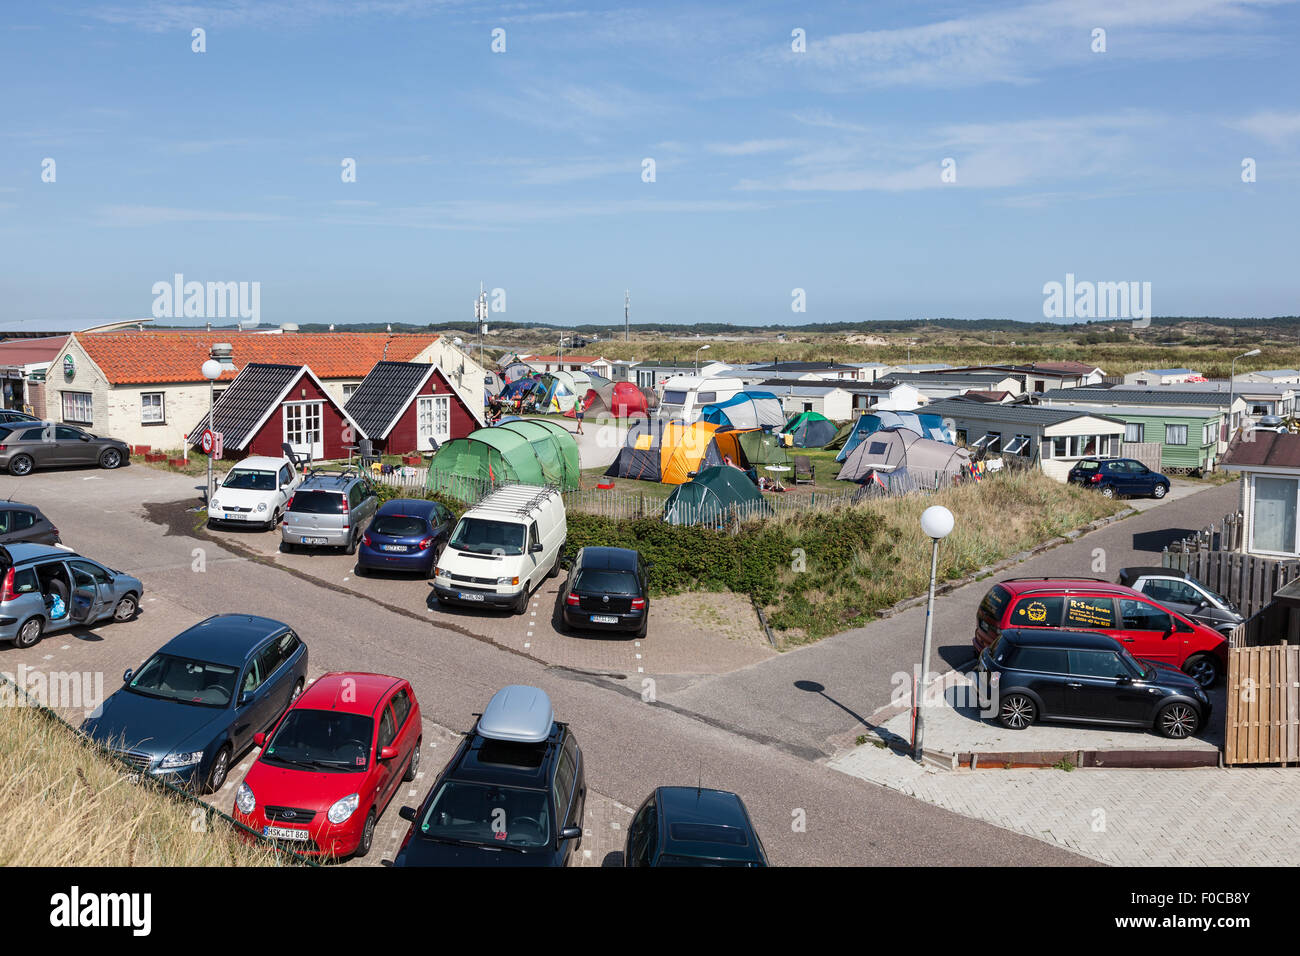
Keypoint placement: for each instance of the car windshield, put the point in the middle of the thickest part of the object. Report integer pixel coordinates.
(250, 479)
(488, 815)
(186, 681)
(319, 502)
(398, 526)
(606, 582)
(322, 740)
(485, 536)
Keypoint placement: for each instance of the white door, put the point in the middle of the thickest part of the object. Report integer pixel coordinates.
(432, 420)
(302, 428)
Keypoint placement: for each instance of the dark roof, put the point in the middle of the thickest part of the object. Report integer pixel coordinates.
(1136, 396)
(1264, 450)
(1018, 413)
(611, 559)
(414, 507)
(384, 394)
(943, 375)
(804, 367)
(245, 401)
(705, 824)
(223, 638)
(1059, 637)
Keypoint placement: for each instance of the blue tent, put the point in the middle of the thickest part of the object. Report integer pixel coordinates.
(927, 426)
(518, 388)
(746, 410)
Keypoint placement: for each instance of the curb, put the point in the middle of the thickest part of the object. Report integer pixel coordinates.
(1107, 759)
(946, 586)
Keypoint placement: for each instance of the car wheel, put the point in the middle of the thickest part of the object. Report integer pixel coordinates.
(521, 603)
(352, 545)
(1108, 492)
(367, 836)
(20, 465)
(217, 773)
(555, 568)
(1202, 668)
(1177, 721)
(111, 458)
(1160, 491)
(30, 633)
(276, 517)
(413, 767)
(288, 548)
(1017, 712)
(360, 570)
(125, 609)
(645, 626)
(297, 692)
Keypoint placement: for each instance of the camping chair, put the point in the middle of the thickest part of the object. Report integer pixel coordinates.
(366, 452)
(805, 472)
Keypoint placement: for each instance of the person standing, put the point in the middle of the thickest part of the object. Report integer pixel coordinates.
(579, 407)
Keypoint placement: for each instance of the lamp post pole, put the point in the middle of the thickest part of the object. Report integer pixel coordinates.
(1232, 388)
(212, 370)
(936, 522)
(702, 348)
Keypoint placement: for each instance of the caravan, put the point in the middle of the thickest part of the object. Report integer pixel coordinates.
(685, 395)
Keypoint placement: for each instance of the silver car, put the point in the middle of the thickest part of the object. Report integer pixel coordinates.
(28, 445)
(330, 509)
(49, 589)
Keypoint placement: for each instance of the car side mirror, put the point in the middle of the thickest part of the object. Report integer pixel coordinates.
(387, 753)
(570, 833)
(535, 547)
(245, 697)
(259, 740)
(85, 438)
(1203, 605)
(407, 813)
(126, 675)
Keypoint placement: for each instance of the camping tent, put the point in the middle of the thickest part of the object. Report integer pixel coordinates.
(620, 399)
(750, 447)
(555, 448)
(713, 496)
(685, 449)
(927, 426)
(519, 388)
(900, 456)
(810, 430)
(485, 455)
(515, 371)
(745, 410)
(561, 390)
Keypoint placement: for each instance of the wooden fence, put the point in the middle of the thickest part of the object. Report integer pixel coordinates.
(1262, 725)
(1147, 452)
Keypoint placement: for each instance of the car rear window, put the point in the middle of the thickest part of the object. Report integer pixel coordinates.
(1088, 465)
(319, 502)
(708, 833)
(399, 526)
(1037, 612)
(995, 602)
(607, 582)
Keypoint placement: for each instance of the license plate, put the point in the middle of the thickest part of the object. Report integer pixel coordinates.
(231, 516)
(133, 777)
(313, 540)
(470, 596)
(284, 833)
(394, 547)
(603, 619)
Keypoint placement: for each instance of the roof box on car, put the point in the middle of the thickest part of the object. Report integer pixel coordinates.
(518, 713)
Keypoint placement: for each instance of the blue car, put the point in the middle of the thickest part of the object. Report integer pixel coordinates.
(192, 710)
(406, 534)
(1119, 476)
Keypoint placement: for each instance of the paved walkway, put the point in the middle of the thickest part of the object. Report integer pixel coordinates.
(1241, 817)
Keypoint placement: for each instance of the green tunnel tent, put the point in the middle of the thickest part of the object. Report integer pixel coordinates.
(759, 448)
(811, 430)
(484, 456)
(555, 448)
(713, 496)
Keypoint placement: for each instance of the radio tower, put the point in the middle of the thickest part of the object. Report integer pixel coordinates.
(627, 309)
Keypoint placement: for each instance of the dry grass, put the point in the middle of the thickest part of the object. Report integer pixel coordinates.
(67, 805)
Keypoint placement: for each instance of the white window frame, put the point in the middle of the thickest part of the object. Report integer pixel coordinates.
(145, 407)
(1141, 432)
(302, 412)
(349, 388)
(90, 407)
(1254, 504)
(1173, 430)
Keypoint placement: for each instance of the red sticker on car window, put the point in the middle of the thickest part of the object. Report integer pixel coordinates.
(361, 761)
(501, 835)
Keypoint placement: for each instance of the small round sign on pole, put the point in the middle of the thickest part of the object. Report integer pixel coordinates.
(207, 441)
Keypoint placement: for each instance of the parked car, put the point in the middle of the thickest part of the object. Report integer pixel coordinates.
(8, 415)
(607, 590)
(502, 548)
(255, 492)
(1145, 628)
(1179, 591)
(329, 510)
(406, 534)
(513, 795)
(28, 445)
(692, 826)
(1086, 677)
(1118, 476)
(192, 710)
(21, 523)
(49, 589)
(1271, 423)
(327, 771)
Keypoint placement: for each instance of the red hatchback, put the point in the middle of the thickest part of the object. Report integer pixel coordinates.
(329, 767)
(1145, 628)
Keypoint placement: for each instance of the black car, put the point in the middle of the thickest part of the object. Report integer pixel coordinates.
(26, 524)
(513, 795)
(1118, 476)
(693, 826)
(607, 589)
(1179, 591)
(193, 708)
(1037, 674)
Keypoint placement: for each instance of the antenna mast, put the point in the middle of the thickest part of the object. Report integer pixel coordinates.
(627, 309)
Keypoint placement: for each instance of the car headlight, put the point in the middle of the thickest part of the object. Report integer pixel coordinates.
(177, 760)
(215, 504)
(344, 808)
(261, 506)
(244, 798)
(441, 573)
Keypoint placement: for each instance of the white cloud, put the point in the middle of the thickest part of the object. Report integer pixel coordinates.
(1274, 126)
(753, 147)
(138, 215)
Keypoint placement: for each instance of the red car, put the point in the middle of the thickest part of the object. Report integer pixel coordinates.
(1145, 628)
(329, 767)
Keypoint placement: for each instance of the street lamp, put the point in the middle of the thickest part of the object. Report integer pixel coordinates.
(212, 370)
(1232, 388)
(702, 348)
(936, 522)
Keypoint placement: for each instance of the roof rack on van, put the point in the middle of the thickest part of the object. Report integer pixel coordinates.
(517, 499)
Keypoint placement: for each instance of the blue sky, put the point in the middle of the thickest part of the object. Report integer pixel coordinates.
(774, 169)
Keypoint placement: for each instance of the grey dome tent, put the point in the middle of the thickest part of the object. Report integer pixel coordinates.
(900, 459)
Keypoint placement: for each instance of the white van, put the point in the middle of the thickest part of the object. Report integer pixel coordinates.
(502, 548)
(684, 395)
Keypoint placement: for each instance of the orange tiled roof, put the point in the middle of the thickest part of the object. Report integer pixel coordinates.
(134, 358)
